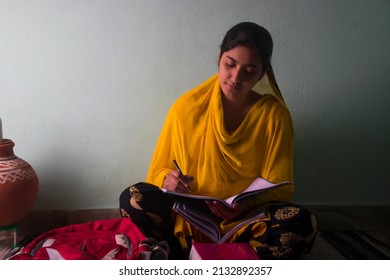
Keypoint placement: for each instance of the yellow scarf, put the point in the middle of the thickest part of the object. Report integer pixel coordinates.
(224, 164)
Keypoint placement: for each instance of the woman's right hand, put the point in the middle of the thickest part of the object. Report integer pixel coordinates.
(226, 213)
(176, 182)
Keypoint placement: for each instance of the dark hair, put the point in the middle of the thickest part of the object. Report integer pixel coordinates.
(250, 35)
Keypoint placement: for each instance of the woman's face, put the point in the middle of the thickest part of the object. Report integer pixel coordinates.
(239, 70)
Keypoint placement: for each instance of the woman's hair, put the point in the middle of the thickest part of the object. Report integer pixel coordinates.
(250, 35)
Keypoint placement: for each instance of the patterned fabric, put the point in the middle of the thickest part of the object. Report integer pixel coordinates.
(151, 209)
(290, 232)
(287, 232)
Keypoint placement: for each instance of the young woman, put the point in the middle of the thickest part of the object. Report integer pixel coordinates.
(224, 134)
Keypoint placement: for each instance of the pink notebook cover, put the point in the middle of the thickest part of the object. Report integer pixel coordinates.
(224, 251)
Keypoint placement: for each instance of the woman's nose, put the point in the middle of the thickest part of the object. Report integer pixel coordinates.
(236, 76)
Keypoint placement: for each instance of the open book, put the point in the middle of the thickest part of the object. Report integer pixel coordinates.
(194, 209)
(257, 186)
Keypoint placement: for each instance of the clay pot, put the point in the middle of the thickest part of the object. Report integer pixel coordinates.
(18, 185)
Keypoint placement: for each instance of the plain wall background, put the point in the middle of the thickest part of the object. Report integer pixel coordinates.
(85, 87)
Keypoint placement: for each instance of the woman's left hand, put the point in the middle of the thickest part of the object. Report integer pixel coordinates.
(226, 213)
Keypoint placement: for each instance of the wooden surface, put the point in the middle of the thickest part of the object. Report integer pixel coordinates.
(374, 220)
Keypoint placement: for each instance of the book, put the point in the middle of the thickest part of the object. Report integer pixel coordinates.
(224, 251)
(194, 209)
(199, 215)
(257, 186)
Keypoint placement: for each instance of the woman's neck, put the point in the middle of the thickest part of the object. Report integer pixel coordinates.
(236, 110)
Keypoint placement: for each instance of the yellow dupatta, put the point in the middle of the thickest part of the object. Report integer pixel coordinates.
(224, 164)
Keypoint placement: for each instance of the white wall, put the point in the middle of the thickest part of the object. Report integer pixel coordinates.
(85, 86)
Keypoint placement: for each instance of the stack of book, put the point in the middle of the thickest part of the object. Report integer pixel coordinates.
(194, 209)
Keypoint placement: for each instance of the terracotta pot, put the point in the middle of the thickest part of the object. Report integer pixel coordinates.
(18, 185)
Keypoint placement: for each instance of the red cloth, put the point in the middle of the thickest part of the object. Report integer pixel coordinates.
(104, 239)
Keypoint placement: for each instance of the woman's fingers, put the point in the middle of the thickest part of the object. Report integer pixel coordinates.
(176, 182)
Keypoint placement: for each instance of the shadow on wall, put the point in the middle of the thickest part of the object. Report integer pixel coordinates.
(344, 158)
(64, 176)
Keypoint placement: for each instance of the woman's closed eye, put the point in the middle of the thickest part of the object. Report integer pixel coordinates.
(230, 65)
(251, 71)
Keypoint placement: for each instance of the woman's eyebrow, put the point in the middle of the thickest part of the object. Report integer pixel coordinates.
(249, 65)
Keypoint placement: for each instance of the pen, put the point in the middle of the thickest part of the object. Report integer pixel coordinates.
(177, 167)
(179, 170)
